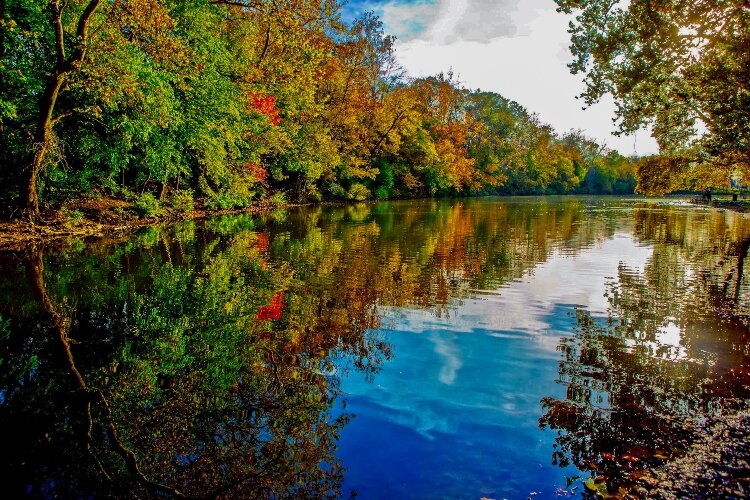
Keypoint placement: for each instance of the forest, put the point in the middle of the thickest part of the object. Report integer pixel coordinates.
(217, 104)
(678, 68)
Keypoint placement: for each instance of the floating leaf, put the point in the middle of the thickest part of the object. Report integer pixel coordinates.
(590, 485)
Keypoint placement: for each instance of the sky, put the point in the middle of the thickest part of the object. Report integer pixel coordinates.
(517, 48)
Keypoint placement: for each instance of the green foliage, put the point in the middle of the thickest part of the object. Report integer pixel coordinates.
(75, 217)
(146, 205)
(278, 198)
(234, 104)
(335, 191)
(226, 199)
(358, 192)
(680, 67)
(182, 200)
(384, 181)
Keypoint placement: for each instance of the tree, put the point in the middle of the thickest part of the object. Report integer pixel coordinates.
(69, 54)
(681, 66)
(231, 100)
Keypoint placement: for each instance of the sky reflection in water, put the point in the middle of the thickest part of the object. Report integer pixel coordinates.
(455, 413)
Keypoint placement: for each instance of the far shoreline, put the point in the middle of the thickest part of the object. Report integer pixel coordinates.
(105, 216)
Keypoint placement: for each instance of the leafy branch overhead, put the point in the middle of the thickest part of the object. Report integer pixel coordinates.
(680, 67)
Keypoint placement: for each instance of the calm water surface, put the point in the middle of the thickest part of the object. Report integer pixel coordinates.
(496, 348)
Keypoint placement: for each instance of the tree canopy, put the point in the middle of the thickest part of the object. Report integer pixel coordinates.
(161, 103)
(678, 66)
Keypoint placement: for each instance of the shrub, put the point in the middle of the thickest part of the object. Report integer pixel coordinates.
(278, 198)
(146, 205)
(358, 192)
(75, 217)
(382, 193)
(182, 200)
(335, 190)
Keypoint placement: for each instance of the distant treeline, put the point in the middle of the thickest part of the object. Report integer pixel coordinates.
(161, 103)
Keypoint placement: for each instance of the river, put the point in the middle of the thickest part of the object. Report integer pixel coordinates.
(478, 348)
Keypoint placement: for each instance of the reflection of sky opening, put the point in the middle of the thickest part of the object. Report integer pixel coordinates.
(464, 389)
(667, 344)
(670, 335)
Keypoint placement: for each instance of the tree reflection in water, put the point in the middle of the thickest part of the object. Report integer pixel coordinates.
(171, 381)
(670, 355)
(205, 360)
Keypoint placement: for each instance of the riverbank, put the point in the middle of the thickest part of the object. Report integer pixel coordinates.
(105, 216)
(101, 217)
(742, 206)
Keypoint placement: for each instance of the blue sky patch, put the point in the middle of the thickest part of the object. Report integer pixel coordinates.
(400, 17)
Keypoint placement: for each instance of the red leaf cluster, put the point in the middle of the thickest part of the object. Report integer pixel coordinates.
(274, 309)
(257, 171)
(266, 105)
(261, 242)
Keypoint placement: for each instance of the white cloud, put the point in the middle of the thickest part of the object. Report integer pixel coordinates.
(518, 49)
(447, 21)
(525, 306)
(407, 21)
(448, 351)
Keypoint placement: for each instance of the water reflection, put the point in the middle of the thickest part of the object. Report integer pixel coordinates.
(185, 364)
(214, 358)
(670, 354)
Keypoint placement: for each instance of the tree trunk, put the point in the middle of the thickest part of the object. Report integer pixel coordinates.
(63, 65)
(42, 140)
(163, 187)
(61, 323)
(741, 255)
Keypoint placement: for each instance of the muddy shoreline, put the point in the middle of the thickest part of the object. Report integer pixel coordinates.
(101, 219)
(717, 465)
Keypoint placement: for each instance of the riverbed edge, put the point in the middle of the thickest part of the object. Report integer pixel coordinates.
(108, 216)
(57, 227)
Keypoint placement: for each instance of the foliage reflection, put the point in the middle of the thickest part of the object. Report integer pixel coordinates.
(670, 355)
(206, 359)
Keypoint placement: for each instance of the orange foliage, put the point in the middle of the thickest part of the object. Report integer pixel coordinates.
(265, 105)
(261, 242)
(149, 25)
(257, 171)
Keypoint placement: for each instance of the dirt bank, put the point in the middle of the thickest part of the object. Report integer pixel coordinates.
(97, 218)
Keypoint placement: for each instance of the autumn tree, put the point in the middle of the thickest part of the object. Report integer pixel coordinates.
(231, 101)
(358, 78)
(64, 51)
(680, 66)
